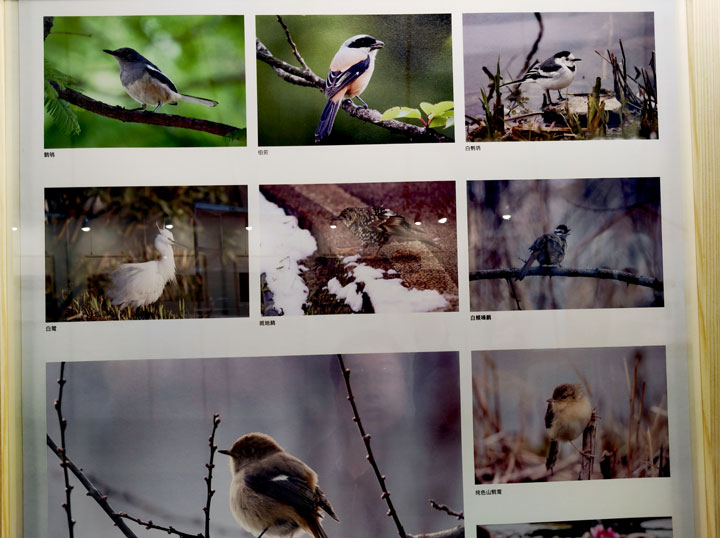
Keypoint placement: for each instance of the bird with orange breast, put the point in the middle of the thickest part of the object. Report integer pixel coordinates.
(349, 74)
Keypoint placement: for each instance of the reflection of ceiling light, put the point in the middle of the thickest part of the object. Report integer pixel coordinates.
(14, 229)
(248, 228)
(168, 226)
(85, 225)
(507, 217)
(85, 228)
(333, 226)
(442, 220)
(418, 223)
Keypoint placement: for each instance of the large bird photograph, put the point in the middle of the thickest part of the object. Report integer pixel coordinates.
(560, 76)
(129, 253)
(358, 248)
(144, 81)
(542, 415)
(147, 434)
(548, 244)
(354, 79)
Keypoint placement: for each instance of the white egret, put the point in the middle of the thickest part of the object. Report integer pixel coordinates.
(141, 284)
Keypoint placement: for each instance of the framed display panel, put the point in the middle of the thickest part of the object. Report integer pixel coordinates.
(368, 227)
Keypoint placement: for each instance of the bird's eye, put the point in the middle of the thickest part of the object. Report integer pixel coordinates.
(248, 451)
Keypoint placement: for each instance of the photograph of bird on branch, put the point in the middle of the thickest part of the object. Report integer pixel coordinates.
(234, 447)
(565, 243)
(570, 414)
(560, 76)
(144, 81)
(627, 527)
(360, 79)
(358, 248)
(127, 253)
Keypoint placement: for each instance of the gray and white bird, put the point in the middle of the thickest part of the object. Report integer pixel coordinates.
(349, 74)
(377, 226)
(555, 73)
(141, 284)
(548, 250)
(568, 413)
(144, 82)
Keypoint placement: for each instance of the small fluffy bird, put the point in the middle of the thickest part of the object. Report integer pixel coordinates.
(349, 74)
(141, 284)
(555, 73)
(568, 413)
(274, 494)
(376, 226)
(144, 82)
(548, 250)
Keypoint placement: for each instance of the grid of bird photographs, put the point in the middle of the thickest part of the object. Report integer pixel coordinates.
(570, 414)
(111, 81)
(565, 243)
(143, 442)
(591, 528)
(560, 76)
(358, 248)
(354, 79)
(133, 253)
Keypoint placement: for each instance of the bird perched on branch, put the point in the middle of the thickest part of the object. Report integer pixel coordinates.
(141, 284)
(144, 82)
(376, 226)
(548, 250)
(350, 72)
(274, 494)
(555, 73)
(568, 413)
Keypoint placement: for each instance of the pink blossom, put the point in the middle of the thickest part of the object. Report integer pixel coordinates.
(601, 532)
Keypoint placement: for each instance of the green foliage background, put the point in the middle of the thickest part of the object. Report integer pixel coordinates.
(202, 55)
(414, 66)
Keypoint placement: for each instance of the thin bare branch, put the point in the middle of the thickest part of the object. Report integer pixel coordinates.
(446, 509)
(370, 457)
(93, 491)
(208, 480)
(292, 44)
(603, 274)
(149, 525)
(455, 532)
(63, 451)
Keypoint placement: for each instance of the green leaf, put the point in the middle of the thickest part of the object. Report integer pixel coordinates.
(437, 108)
(62, 114)
(398, 112)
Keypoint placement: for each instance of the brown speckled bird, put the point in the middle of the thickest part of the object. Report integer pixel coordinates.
(377, 226)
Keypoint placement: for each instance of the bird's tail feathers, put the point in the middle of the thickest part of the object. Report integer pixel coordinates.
(552, 455)
(197, 100)
(326, 120)
(525, 268)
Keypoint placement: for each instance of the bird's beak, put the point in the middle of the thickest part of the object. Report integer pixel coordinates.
(226, 452)
(548, 401)
(577, 60)
(377, 45)
(110, 52)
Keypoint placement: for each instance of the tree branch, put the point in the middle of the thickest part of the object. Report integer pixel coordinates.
(142, 116)
(150, 525)
(455, 532)
(301, 77)
(444, 508)
(370, 457)
(208, 480)
(603, 274)
(588, 447)
(92, 490)
(62, 451)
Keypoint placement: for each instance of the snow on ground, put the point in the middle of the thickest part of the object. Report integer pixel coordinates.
(282, 245)
(386, 295)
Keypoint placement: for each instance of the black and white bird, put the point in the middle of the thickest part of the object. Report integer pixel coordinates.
(548, 250)
(349, 74)
(555, 73)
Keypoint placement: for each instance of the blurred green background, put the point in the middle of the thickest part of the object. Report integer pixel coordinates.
(202, 55)
(414, 66)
